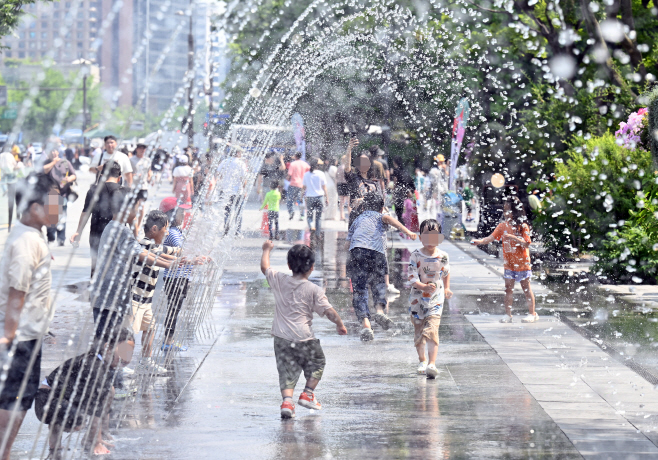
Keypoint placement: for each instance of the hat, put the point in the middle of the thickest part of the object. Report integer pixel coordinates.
(140, 145)
(439, 158)
(170, 203)
(183, 159)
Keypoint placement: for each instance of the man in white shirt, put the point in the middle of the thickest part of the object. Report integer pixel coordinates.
(110, 153)
(25, 281)
(232, 178)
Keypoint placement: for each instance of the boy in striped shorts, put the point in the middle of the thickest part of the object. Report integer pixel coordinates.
(143, 286)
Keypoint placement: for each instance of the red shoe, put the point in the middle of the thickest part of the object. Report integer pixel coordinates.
(309, 402)
(287, 409)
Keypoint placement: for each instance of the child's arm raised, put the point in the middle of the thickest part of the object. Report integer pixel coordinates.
(333, 316)
(389, 220)
(265, 258)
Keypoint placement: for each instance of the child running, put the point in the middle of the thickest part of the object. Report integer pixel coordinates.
(429, 274)
(145, 277)
(515, 235)
(272, 199)
(295, 347)
(368, 265)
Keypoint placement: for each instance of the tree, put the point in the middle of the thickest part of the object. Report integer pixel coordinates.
(10, 14)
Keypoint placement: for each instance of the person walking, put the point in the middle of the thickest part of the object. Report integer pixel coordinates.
(343, 189)
(232, 179)
(9, 168)
(111, 153)
(271, 201)
(98, 206)
(25, 282)
(296, 173)
(314, 186)
(183, 180)
(332, 190)
(514, 233)
(61, 171)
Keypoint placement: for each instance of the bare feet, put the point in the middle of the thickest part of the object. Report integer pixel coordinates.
(100, 449)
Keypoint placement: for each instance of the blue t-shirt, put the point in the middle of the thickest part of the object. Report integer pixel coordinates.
(368, 231)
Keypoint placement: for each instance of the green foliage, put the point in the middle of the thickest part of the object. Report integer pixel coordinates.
(632, 249)
(47, 104)
(593, 190)
(10, 14)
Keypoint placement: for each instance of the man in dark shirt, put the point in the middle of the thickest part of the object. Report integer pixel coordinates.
(97, 203)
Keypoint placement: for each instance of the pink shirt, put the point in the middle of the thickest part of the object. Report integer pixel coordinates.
(295, 301)
(296, 172)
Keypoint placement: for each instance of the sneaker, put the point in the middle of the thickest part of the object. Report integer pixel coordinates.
(367, 334)
(172, 347)
(384, 321)
(301, 218)
(392, 289)
(148, 366)
(292, 215)
(422, 367)
(128, 371)
(309, 402)
(287, 409)
(530, 318)
(506, 319)
(125, 393)
(431, 371)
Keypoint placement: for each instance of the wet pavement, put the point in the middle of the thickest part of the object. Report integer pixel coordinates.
(501, 393)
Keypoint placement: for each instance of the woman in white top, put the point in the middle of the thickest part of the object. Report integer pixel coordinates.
(314, 185)
(183, 184)
(9, 168)
(332, 193)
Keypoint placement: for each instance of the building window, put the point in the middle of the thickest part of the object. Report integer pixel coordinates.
(33, 45)
(81, 25)
(68, 4)
(44, 34)
(55, 34)
(79, 44)
(21, 54)
(81, 15)
(8, 54)
(33, 35)
(67, 45)
(21, 35)
(33, 25)
(21, 44)
(33, 54)
(44, 25)
(56, 14)
(79, 34)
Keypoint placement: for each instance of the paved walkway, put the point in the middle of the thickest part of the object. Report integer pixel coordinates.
(504, 391)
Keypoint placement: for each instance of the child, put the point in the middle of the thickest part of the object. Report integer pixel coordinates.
(145, 277)
(515, 235)
(177, 279)
(295, 347)
(368, 265)
(111, 284)
(272, 199)
(429, 272)
(410, 215)
(82, 386)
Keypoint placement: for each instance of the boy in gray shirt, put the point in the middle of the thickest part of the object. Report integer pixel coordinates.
(295, 347)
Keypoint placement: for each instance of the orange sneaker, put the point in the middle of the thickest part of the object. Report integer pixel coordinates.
(309, 402)
(287, 409)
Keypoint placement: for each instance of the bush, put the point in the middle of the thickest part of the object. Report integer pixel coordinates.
(630, 253)
(592, 191)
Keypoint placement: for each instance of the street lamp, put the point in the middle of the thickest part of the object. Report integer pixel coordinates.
(85, 66)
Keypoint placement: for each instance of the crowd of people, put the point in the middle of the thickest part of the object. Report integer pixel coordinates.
(125, 268)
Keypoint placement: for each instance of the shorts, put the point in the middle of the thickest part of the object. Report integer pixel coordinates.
(18, 369)
(343, 189)
(142, 319)
(294, 357)
(429, 329)
(517, 276)
(60, 412)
